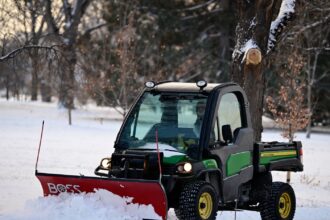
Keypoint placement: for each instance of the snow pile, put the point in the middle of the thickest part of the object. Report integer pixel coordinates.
(99, 205)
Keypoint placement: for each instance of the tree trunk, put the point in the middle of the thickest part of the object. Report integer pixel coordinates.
(15, 85)
(45, 84)
(34, 55)
(311, 71)
(309, 106)
(7, 86)
(288, 174)
(254, 20)
(66, 95)
(309, 96)
(253, 82)
(35, 80)
(45, 90)
(5, 72)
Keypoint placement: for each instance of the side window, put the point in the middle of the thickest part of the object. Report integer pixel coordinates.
(229, 117)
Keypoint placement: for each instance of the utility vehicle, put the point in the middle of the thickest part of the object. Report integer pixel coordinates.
(189, 146)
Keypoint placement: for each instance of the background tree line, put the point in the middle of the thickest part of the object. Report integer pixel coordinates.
(106, 50)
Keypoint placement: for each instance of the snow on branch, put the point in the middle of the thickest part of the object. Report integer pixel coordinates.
(285, 14)
(19, 50)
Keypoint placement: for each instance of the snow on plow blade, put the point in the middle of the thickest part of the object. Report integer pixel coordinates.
(142, 191)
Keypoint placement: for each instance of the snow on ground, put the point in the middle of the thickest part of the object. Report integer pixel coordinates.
(75, 149)
(84, 206)
(78, 149)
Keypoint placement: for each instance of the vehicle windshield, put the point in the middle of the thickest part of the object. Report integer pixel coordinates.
(172, 119)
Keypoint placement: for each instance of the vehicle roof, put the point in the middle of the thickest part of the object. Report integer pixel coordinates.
(184, 87)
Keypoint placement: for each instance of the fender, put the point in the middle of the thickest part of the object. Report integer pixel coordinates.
(219, 179)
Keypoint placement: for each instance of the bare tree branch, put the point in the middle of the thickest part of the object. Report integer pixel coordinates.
(49, 17)
(19, 50)
(67, 12)
(91, 29)
(313, 25)
(318, 49)
(196, 7)
(325, 74)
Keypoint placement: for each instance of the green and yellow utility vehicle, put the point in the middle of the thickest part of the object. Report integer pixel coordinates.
(189, 146)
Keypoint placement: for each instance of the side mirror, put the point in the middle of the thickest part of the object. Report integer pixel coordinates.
(227, 134)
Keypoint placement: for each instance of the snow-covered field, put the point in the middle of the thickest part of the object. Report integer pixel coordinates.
(77, 149)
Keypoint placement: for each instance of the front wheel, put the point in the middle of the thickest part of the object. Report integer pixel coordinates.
(281, 205)
(198, 200)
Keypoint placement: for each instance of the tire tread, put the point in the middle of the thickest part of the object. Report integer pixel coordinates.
(188, 199)
(268, 208)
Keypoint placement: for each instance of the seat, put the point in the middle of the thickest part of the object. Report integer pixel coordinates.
(227, 133)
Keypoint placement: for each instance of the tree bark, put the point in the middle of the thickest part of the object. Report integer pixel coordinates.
(32, 7)
(310, 81)
(45, 90)
(35, 80)
(5, 73)
(7, 85)
(309, 105)
(66, 93)
(254, 20)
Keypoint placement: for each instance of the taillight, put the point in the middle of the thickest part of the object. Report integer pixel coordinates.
(301, 153)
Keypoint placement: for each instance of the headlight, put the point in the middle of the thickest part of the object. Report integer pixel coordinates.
(106, 163)
(187, 167)
(184, 167)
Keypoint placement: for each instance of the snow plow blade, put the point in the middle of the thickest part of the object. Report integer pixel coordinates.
(146, 192)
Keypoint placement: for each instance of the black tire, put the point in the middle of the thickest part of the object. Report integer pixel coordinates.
(177, 213)
(281, 205)
(198, 201)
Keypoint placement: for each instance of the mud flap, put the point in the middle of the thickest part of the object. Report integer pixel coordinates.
(142, 191)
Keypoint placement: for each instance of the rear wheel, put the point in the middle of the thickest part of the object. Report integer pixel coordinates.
(282, 204)
(198, 200)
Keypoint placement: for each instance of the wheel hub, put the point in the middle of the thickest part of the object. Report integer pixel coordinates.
(284, 205)
(205, 205)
